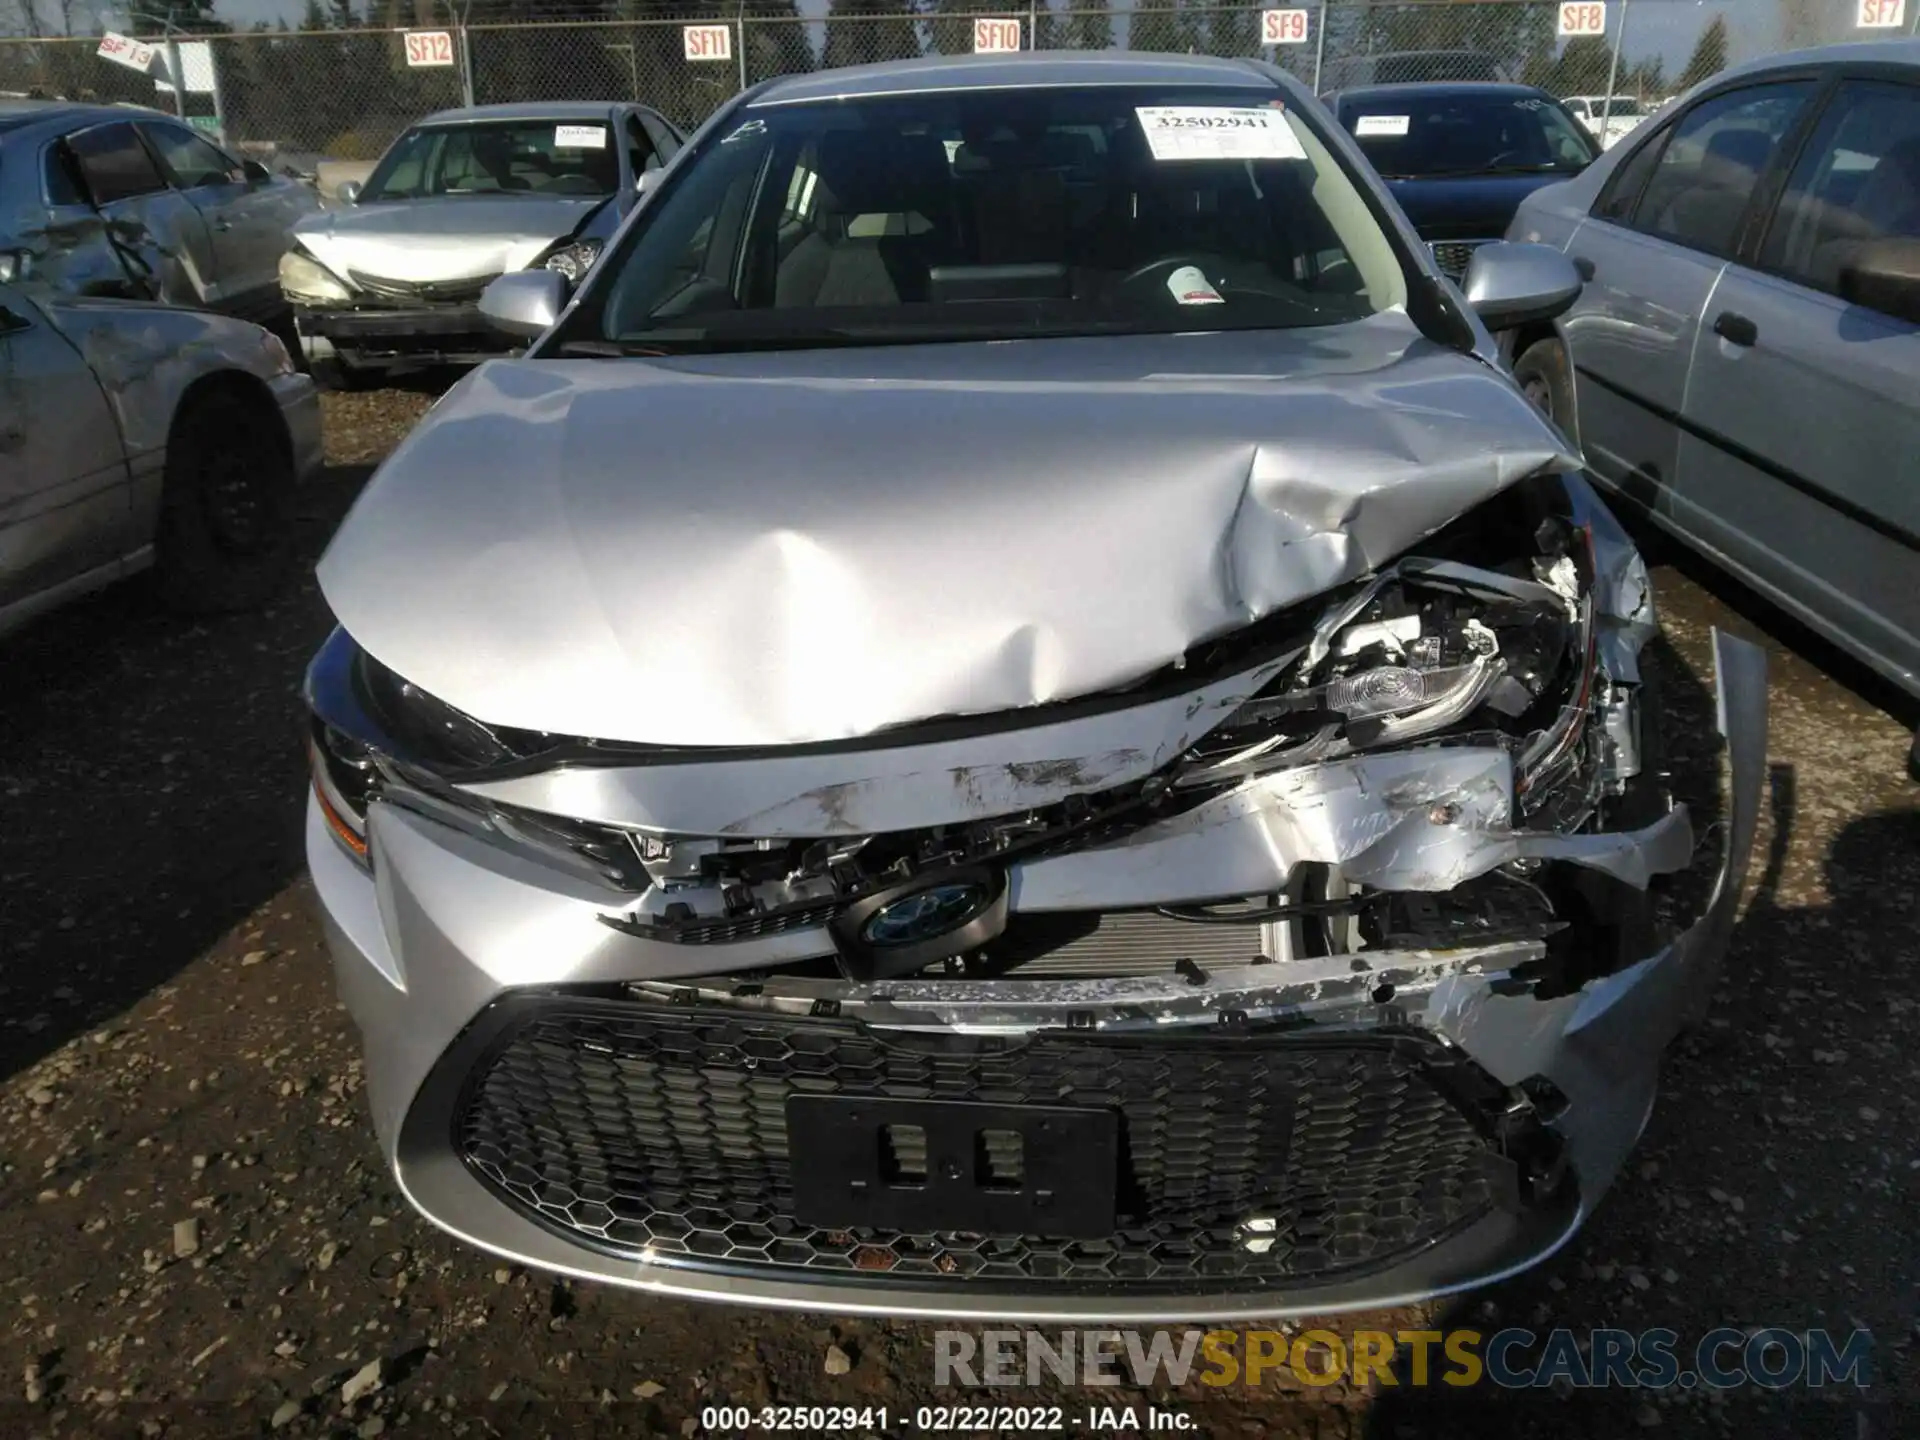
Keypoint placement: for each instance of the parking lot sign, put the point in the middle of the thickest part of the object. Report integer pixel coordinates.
(1283, 27)
(707, 42)
(1882, 14)
(123, 50)
(992, 36)
(1583, 17)
(429, 49)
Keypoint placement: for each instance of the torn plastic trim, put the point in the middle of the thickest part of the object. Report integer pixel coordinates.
(1368, 980)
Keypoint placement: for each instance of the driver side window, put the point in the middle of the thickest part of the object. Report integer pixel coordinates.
(190, 162)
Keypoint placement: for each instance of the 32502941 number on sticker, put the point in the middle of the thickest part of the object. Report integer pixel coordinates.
(1218, 132)
(796, 1419)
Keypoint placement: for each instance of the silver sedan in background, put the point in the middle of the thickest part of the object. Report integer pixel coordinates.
(110, 200)
(1744, 362)
(390, 280)
(135, 434)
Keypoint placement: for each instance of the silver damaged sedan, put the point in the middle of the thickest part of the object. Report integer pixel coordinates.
(1100, 775)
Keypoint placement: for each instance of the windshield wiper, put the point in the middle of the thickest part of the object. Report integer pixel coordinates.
(1478, 170)
(704, 342)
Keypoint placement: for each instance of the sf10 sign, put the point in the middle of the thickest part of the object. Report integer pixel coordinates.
(1283, 27)
(1882, 14)
(707, 42)
(995, 37)
(1583, 17)
(429, 49)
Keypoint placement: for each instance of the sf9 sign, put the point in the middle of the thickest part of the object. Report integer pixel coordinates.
(1283, 27)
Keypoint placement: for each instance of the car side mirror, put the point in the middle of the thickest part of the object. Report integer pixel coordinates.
(524, 303)
(257, 174)
(648, 180)
(348, 192)
(1884, 275)
(1509, 284)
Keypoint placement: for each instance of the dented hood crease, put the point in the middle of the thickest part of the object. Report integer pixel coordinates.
(795, 547)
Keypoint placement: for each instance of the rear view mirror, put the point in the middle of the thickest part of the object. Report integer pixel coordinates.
(1884, 275)
(348, 192)
(257, 174)
(647, 181)
(524, 303)
(1510, 284)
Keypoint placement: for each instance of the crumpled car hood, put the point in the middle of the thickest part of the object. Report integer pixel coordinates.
(448, 238)
(792, 547)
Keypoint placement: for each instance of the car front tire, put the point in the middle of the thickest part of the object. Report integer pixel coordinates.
(224, 540)
(1546, 378)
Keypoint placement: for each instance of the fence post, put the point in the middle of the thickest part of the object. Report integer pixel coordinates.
(741, 25)
(176, 74)
(1613, 73)
(466, 68)
(1320, 44)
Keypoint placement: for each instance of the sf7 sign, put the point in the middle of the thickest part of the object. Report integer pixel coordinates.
(1882, 14)
(1583, 17)
(1283, 27)
(995, 37)
(429, 49)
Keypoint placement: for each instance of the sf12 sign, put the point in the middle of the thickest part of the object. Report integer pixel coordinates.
(707, 42)
(429, 49)
(995, 37)
(1882, 14)
(1283, 27)
(1583, 17)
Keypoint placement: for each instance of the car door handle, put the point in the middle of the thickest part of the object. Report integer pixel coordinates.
(1584, 266)
(12, 438)
(1735, 329)
(223, 224)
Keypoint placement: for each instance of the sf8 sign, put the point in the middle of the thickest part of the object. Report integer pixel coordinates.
(1583, 17)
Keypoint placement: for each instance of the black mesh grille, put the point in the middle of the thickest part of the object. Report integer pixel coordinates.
(1452, 256)
(665, 1129)
(424, 292)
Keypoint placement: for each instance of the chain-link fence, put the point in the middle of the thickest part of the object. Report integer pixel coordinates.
(343, 94)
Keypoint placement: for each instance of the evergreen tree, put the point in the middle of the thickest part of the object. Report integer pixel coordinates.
(1709, 55)
(862, 32)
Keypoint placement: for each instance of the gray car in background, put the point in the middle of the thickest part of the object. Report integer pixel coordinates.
(136, 434)
(100, 200)
(390, 279)
(1101, 775)
(1744, 362)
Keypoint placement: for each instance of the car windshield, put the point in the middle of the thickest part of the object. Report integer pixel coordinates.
(508, 157)
(993, 215)
(1413, 136)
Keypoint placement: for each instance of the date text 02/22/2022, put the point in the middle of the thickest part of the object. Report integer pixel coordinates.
(944, 1419)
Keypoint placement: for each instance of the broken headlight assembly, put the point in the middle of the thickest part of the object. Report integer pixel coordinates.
(1459, 645)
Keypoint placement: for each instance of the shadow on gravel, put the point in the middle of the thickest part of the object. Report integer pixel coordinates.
(151, 783)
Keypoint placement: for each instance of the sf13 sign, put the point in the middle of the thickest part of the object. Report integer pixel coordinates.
(995, 37)
(429, 49)
(1882, 14)
(1583, 17)
(122, 50)
(1283, 27)
(707, 42)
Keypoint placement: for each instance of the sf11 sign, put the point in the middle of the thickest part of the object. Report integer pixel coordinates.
(1583, 17)
(707, 42)
(1882, 14)
(429, 49)
(995, 37)
(1283, 27)
(123, 50)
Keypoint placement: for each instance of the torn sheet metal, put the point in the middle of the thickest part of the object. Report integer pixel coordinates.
(1424, 820)
(606, 549)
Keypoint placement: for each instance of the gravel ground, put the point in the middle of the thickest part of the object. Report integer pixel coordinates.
(204, 1241)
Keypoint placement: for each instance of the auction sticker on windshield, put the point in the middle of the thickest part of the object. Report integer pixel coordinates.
(1381, 125)
(1218, 132)
(580, 137)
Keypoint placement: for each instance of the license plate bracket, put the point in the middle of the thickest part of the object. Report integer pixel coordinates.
(921, 1166)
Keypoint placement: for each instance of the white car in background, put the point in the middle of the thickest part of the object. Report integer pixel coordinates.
(1608, 123)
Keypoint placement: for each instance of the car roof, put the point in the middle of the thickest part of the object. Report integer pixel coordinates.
(1428, 89)
(529, 110)
(60, 114)
(1903, 51)
(1031, 69)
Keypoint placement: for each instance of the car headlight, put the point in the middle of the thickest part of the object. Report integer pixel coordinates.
(1495, 646)
(573, 259)
(305, 280)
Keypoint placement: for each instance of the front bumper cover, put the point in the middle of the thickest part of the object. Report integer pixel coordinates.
(425, 334)
(449, 930)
